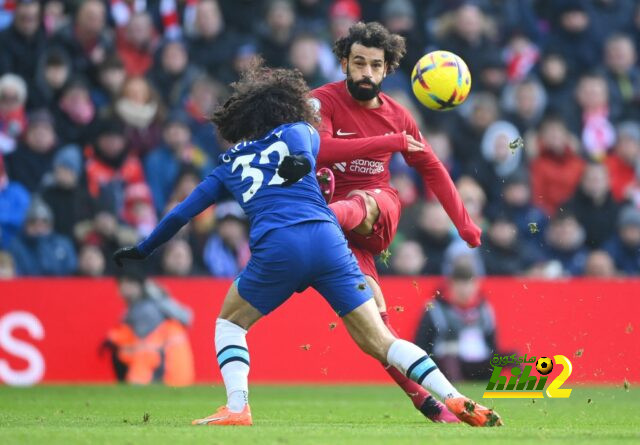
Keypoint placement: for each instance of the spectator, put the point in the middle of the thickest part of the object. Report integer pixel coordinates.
(201, 226)
(521, 55)
(24, 42)
(433, 233)
(14, 202)
(399, 16)
(177, 259)
(593, 205)
(13, 96)
(38, 250)
(176, 151)
(212, 47)
(408, 259)
(75, 113)
(106, 233)
(622, 162)
(573, 35)
(492, 75)
(227, 250)
(53, 73)
(139, 211)
(556, 171)
(312, 15)
(304, 55)
(7, 266)
(140, 108)
(600, 265)
(517, 207)
(610, 15)
(91, 261)
(111, 77)
(556, 77)
(503, 250)
(473, 197)
(33, 158)
(172, 73)
(87, 40)
(458, 251)
(624, 246)
(65, 194)
(499, 161)
(458, 328)
(525, 102)
(565, 243)
(342, 15)
(204, 95)
(622, 75)
(467, 32)
(468, 129)
(276, 33)
(442, 147)
(404, 182)
(110, 166)
(54, 16)
(137, 43)
(595, 124)
(151, 344)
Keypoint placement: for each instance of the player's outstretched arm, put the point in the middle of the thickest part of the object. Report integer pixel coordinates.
(334, 150)
(438, 180)
(337, 149)
(204, 195)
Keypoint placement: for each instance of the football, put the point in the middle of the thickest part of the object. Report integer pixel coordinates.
(544, 365)
(441, 80)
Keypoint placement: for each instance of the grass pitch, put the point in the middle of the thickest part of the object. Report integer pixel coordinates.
(303, 415)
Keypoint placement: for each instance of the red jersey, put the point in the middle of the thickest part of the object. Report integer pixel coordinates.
(357, 144)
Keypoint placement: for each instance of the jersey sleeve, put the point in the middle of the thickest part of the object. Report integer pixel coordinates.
(334, 150)
(204, 195)
(302, 139)
(437, 179)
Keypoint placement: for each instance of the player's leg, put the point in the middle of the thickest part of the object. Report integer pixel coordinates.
(236, 317)
(374, 338)
(268, 281)
(424, 402)
(340, 281)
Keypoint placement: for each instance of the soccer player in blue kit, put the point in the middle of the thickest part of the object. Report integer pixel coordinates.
(295, 241)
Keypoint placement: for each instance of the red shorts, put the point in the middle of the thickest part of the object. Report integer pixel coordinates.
(365, 247)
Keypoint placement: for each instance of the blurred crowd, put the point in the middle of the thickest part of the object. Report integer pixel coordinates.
(103, 128)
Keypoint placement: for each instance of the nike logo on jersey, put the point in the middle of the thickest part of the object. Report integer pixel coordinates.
(342, 133)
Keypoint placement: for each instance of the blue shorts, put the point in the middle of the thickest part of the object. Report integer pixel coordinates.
(290, 259)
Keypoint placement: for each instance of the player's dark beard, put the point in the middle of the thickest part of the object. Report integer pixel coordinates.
(358, 92)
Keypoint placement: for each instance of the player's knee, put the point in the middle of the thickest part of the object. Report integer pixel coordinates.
(372, 212)
(377, 346)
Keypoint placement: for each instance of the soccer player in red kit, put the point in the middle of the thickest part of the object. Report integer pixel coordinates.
(361, 129)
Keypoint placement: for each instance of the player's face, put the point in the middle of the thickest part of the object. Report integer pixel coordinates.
(365, 70)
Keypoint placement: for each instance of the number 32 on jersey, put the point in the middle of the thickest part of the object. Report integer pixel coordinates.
(256, 174)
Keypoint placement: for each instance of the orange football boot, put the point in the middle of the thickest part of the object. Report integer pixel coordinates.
(472, 413)
(225, 417)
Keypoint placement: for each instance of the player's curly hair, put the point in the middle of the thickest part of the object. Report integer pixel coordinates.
(261, 100)
(373, 35)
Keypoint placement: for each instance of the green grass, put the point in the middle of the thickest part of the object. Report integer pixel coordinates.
(302, 415)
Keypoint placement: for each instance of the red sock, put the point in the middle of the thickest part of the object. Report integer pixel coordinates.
(416, 393)
(350, 211)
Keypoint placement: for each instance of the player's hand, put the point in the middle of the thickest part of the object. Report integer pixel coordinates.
(293, 168)
(129, 253)
(472, 235)
(413, 144)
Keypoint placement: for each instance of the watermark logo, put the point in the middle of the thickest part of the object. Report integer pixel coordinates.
(521, 384)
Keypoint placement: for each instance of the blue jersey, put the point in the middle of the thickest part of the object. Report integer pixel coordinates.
(249, 172)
